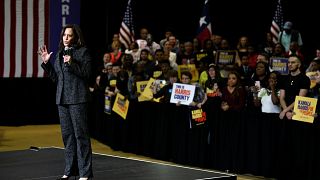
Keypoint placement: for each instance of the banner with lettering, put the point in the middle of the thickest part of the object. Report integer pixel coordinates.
(107, 104)
(121, 106)
(62, 12)
(226, 57)
(147, 94)
(182, 93)
(279, 64)
(304, 109)
(198, 117)
(141, 85)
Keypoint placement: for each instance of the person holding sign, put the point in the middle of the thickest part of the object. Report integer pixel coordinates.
(295, 84)
(200, 96)
(166, 91)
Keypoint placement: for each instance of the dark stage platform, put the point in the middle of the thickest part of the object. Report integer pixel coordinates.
(48, 163)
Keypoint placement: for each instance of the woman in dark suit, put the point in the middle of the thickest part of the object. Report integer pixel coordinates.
(71, 72)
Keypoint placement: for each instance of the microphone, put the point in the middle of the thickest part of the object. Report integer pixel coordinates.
(67, 51)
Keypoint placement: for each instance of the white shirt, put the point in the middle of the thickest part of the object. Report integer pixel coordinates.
(266, 101)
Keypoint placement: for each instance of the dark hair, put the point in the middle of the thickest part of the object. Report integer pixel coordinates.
(278, 76)
(186, 73)
(173, 73)
(78, 40)
(145, 50)
(164, 61)
(238, 78)
(293, 55)
(159, 50)
(216, 69)
(127, 57)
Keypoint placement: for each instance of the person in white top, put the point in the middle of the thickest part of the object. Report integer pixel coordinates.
(146, 41)
(270, 96)
(170, 55)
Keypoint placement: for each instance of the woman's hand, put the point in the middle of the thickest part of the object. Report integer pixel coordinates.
(43, 53)
(224, 106)
(67, 59)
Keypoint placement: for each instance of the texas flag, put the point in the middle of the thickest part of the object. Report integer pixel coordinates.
(204, 31)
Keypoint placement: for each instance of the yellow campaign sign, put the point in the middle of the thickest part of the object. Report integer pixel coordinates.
(199, 117)
(191, 68)
(312, 76)
(157, 74)
(304, 109)
(113, 83)
(121, 106)
(141, 85)
(197, 113)
(147, 94)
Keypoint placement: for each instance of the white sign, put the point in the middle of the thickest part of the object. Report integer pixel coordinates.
(182, 93)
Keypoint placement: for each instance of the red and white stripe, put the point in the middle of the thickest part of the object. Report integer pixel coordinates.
(275, 30)
(25, 28)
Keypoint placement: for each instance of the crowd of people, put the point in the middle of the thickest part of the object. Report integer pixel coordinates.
(247, 81)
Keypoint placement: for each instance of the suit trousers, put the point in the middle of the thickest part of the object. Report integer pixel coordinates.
(76, 139)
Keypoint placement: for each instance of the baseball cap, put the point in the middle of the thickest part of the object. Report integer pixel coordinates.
(287, 25)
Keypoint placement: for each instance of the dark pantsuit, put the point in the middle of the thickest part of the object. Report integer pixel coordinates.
(78, 153)
(72, 98)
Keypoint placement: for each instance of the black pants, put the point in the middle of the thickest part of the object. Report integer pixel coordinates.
(76, 139)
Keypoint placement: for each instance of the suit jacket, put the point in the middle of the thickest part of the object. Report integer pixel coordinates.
(72, 79)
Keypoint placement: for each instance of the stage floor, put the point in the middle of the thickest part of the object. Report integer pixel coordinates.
(48, 163)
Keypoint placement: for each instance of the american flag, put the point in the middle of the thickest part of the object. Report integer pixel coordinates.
(127, 29)
(277, 23)
(24, 27)
(204, 30)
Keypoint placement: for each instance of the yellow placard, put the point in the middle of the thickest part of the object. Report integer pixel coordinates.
(312, 76)
(147, 94)
(304, 109)
(141, 85)
(113, 83)
(157, 74)
(201, 55)
(198, 117)
(121, 106)
(191, 68)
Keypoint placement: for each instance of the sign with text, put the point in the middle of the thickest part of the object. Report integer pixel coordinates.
(226, 57)
(304, 109)
(198, 117)
(121, 106)
(141, 85)
(107, 104)
(182, 93)
(279, 64)
(147, 94)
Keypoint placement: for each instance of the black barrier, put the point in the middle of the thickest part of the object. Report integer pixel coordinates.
(26, 101)
(240, 142)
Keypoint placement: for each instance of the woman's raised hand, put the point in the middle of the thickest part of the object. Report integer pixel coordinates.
(43, 53)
